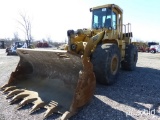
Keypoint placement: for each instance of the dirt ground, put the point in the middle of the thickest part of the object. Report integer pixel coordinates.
(136, 94)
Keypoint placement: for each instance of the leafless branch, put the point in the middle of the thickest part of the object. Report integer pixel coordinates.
(26, 25)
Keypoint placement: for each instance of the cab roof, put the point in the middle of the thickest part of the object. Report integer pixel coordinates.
(108, 6)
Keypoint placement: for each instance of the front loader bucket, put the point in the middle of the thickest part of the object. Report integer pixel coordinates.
(54, 79)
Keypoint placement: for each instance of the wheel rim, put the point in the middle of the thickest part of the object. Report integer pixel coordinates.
(114, 65)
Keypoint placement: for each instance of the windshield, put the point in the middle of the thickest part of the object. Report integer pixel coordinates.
(102, 18)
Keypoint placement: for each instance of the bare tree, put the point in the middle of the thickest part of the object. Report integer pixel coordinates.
(25, 23)
(49, 40)
(16, 37)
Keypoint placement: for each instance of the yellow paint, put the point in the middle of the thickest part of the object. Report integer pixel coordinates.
(87, 39)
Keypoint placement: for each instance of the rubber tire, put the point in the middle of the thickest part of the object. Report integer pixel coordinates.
(102, 59)
(152, 51)
(131, 57)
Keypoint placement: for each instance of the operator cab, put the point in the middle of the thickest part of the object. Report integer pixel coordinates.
(104, 18)
(110, 17)
(107, 16)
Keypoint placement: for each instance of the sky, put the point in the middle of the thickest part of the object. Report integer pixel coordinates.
(52, 19)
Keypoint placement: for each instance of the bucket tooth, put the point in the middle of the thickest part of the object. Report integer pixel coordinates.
(25, 101)
(19, 96)
(12, 101)
(67, 115)
(7, 89)
(14, 92)
(37, 104)
(3, 87)
(52, 107)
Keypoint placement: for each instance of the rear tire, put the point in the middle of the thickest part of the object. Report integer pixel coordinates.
(106, 63)
(131, 57)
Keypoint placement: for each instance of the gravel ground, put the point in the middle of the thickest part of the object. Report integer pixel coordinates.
(136, 95)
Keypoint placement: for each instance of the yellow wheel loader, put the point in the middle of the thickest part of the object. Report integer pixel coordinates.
(64, 80)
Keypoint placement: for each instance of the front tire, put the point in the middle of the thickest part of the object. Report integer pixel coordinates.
(106, 63)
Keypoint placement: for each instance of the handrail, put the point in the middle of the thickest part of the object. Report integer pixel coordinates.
(124, 31)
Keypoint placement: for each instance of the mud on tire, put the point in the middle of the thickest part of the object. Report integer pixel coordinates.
(106, 63)
(131, 57)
